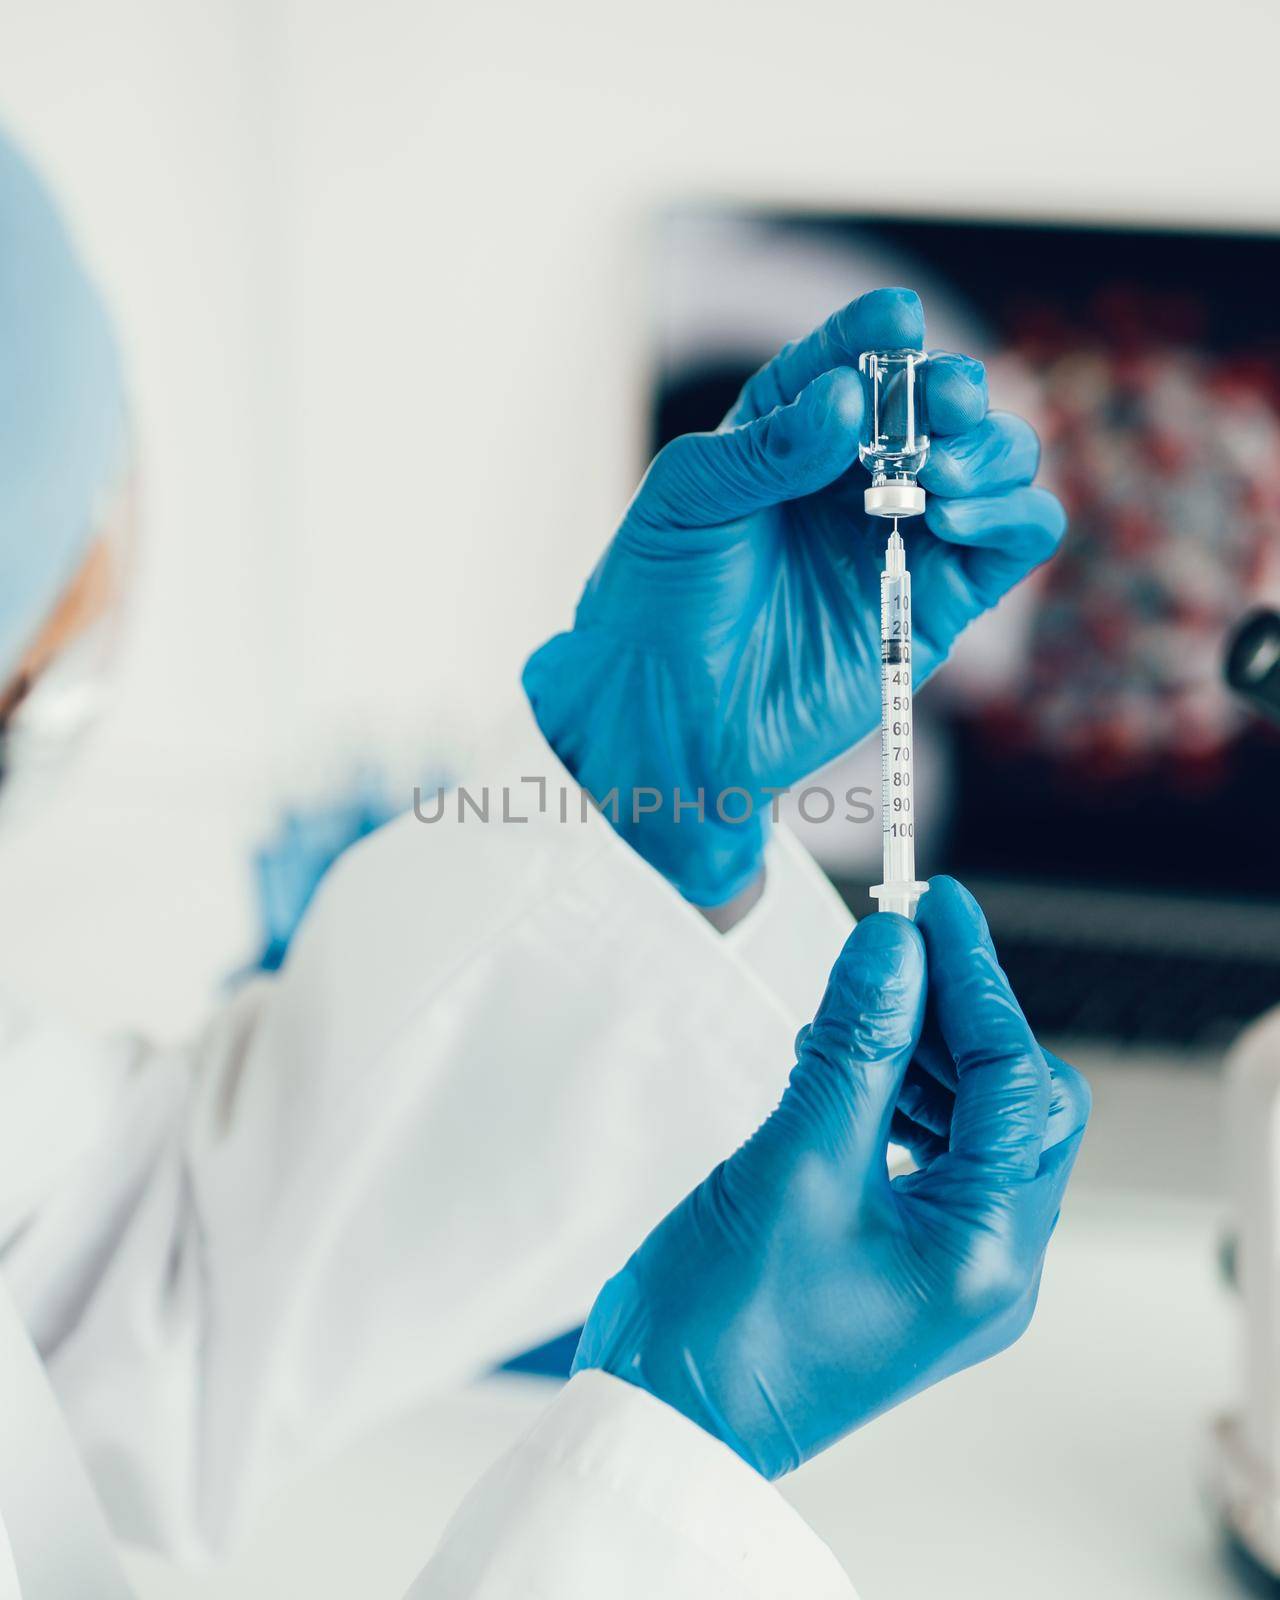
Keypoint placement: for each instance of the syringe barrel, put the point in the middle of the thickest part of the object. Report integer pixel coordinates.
(899, 891)
(896, 711)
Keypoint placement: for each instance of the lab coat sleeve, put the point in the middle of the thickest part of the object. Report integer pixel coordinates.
(59, 1090)
(613, 1493)
(499, 1052)
(791, 937)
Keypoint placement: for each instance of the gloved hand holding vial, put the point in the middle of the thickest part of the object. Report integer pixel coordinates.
(728, 641)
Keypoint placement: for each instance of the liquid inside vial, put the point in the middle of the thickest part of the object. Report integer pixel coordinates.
(895, 441)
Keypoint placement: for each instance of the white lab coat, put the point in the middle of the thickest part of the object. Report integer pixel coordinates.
(497, 1054)
(613, 1493)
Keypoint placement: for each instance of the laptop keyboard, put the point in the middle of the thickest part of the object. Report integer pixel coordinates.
(1134, 969)
(1140, 997)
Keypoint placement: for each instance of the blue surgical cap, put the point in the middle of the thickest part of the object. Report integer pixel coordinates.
(62, 410)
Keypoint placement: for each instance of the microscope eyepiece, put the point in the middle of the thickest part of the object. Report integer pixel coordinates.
(1253, 661)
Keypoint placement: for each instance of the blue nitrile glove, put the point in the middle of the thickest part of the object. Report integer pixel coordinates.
(729, 637)
(799, 1291)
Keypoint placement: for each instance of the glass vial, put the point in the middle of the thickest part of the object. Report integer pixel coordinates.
(895, 441)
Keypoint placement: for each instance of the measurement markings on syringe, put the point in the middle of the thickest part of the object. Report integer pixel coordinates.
(896, 763)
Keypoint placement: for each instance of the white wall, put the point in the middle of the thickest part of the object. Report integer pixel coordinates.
(381, 271)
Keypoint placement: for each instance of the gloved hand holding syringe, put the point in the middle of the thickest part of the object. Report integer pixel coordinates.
(895, 448)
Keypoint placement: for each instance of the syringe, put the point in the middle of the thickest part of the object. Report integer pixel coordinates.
(899, 892)
(894, 448)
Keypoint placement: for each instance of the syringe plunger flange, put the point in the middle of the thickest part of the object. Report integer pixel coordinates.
(900, 897)
(895, 442)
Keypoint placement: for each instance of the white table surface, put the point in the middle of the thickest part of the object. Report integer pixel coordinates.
(1066, 1467)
